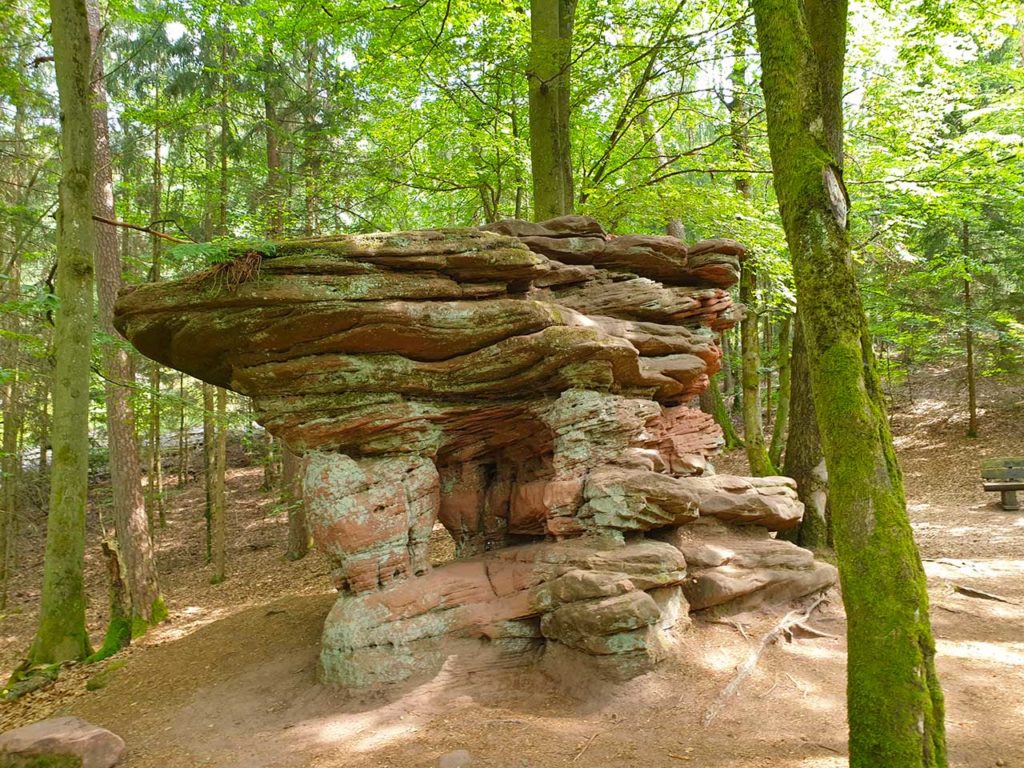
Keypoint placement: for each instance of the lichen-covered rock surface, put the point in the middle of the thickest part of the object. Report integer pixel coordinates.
(525, 386)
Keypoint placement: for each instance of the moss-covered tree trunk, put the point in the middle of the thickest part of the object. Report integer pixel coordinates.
(785, 386)
(551, 24)
(804, 460)
(721, 414)
(61, 635)
(894, 700)
(135, 547)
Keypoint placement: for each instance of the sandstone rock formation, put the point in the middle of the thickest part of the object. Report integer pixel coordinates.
(523, 384)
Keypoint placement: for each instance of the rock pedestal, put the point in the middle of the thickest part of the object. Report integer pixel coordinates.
(523, 385)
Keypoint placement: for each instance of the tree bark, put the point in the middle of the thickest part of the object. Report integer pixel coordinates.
(804, 460)
(134, 545)
(785, 386)
(551, 26)
(894, 701)
(62, 635)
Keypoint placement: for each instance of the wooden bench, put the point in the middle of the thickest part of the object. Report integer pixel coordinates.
(1005, 476)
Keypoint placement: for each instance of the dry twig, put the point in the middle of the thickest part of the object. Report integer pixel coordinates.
(585, 746)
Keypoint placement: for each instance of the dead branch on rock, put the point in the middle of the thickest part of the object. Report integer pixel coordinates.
(790, 620)
(230, 274)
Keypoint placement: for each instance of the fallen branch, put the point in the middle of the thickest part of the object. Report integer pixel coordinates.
(811, 631)
(734, 624)
(972, 592)
(585, 747)
(790, 620)
(137, 228)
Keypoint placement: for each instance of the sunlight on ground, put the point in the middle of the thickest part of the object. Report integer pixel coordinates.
(720, 660)
(382, 736)
(1011, 654)
(815, 650)
(185, 621)
(989, 569)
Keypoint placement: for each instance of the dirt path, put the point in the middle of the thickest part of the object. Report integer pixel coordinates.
(223, 686)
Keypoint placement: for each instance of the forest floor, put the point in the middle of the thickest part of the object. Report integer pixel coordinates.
(229, 680)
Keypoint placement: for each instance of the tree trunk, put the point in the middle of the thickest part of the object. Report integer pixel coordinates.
(894, 701)
(551, 25)
(218, 522)
(272, 130)
(311, 159)
(62, 635)
(222, 197)
(44, 425)
(766, 346)
(804, 460)
(135, 547)
(209, 463)
(182, 434)
(750, 347)
(785, 384)
(750, 378)
(721, 414)
(294, 503)
(728, 366)
(972, 391)
(10, 352)
(155, 483)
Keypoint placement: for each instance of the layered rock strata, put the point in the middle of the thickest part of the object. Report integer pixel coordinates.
(522, 384)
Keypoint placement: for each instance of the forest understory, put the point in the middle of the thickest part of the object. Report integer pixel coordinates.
(229, 679)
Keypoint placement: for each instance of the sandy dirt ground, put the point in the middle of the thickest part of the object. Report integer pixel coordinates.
(230, 679)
